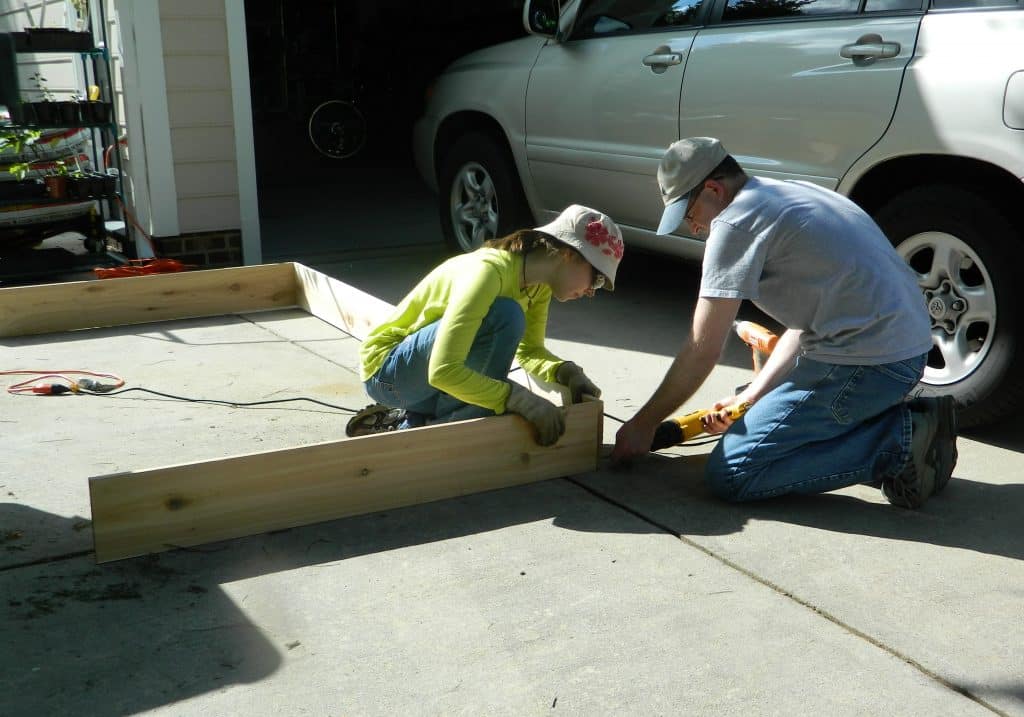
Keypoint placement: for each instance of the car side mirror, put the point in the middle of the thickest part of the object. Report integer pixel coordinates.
(540, 17)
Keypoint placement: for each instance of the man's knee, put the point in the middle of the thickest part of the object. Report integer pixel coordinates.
(721, 480)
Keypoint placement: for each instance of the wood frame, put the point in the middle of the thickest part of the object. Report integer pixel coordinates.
(147, 511)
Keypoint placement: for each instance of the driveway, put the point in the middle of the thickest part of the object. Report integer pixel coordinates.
(616, 592)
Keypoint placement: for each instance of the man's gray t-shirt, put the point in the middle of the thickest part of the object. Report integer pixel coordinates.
(813, 260)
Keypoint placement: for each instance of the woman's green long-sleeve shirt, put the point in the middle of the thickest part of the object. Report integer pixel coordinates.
(459, 293)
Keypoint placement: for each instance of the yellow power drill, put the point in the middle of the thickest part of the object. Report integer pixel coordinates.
(682, 428)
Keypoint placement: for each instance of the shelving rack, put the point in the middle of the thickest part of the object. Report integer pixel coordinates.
(64, 210)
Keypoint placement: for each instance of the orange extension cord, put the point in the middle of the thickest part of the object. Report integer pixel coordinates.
(141, 267)
(64, 382)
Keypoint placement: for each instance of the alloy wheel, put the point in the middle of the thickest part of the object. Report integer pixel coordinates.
(474, 206)
(961, 303)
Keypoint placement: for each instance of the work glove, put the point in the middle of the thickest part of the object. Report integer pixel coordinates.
(572, 377)
(546, 417)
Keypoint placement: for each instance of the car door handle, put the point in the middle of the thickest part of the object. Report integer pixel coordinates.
(661, 58)
(869, 48)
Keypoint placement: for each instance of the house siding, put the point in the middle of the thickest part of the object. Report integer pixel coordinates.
(194, 36)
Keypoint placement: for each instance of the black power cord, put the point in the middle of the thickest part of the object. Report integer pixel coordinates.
(217, 402)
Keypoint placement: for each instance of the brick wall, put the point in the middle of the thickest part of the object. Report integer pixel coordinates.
(205, 249)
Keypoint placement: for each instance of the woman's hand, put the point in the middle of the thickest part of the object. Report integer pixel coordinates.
(572, 377)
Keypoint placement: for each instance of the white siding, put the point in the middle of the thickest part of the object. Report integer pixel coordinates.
(194, 34)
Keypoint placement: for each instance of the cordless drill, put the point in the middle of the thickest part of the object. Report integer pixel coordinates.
(682, 428)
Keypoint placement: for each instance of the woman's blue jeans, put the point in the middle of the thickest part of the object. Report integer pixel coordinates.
(402, 382)
(827, 426)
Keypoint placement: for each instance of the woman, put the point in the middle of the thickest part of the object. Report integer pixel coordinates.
(445, 353)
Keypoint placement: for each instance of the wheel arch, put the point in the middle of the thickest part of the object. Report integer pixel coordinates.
(461, 123)
(894, 176)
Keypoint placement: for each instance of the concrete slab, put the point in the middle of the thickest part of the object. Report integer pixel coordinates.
(54, 444)
(527, 601)
(617, 592)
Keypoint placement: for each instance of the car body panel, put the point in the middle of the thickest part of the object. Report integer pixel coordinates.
(597, 139)
(947, 107)
(492, 82)
(782, 99)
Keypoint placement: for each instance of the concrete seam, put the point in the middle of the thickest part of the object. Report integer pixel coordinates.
(44, 561)
(800, 601)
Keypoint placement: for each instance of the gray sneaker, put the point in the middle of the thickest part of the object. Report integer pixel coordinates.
(375, 418)
(933, 453)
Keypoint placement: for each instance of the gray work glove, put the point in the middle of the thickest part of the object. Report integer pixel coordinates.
(572, 377)
(546, 417)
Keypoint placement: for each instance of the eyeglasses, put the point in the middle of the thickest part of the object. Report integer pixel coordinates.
(598, 281)
(692, 203)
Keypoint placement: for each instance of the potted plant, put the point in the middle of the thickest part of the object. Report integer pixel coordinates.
(70, 112)
(93, 111)
(56, 180)
(44, 111)
(14, 142)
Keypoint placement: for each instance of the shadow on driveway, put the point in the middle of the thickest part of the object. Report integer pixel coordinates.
(669, 491)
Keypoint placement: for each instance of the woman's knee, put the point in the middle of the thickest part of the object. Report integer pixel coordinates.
(506, 315)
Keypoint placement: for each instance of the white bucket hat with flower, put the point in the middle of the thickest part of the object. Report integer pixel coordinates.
(592, 234)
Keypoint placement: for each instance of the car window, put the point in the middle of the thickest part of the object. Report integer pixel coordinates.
(600, 18)
(953, 4)
(891, 5)
(738, 10)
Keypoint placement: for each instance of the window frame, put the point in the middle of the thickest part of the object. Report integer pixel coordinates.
(700, 20)
(718, 11)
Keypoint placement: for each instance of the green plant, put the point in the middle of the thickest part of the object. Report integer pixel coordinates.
(41, 87)
(81, 8)
(15, 141)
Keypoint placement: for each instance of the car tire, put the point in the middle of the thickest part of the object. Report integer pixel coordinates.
(964, 252)
(480, 196)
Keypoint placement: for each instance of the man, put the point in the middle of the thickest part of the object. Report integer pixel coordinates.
(828, 409)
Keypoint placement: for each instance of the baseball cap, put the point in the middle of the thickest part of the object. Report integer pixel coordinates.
(592, 234)
(685, 164)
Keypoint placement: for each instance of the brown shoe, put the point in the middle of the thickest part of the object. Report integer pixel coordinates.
(945, 441)
(916, 482)
(375, 418)
(933, 453)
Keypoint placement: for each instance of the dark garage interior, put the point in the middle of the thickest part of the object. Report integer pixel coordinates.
(379, 57)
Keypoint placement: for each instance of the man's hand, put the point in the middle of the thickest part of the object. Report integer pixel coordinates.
(546, 417)
(633, 439)
(572, 377)
(717, 420)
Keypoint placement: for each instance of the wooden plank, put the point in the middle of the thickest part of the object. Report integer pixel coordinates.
(154, 510)
(74, 305)
(339, 304)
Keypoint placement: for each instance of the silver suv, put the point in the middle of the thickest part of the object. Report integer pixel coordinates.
(913, 108)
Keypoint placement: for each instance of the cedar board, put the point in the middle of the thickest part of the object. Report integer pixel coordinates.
(147, 511)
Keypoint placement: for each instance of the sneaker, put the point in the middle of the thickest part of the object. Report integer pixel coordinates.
(933, 453)
(375, 418)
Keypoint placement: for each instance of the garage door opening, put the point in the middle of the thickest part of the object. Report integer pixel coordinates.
(336, 88)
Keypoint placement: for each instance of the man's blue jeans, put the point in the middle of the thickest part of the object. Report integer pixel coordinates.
(827, 426)
(402, 382)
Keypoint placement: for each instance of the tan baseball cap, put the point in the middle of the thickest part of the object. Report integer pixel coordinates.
(593, 235)
(685, 164)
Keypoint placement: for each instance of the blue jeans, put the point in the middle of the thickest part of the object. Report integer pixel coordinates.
(401, 382)
(827, 426)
